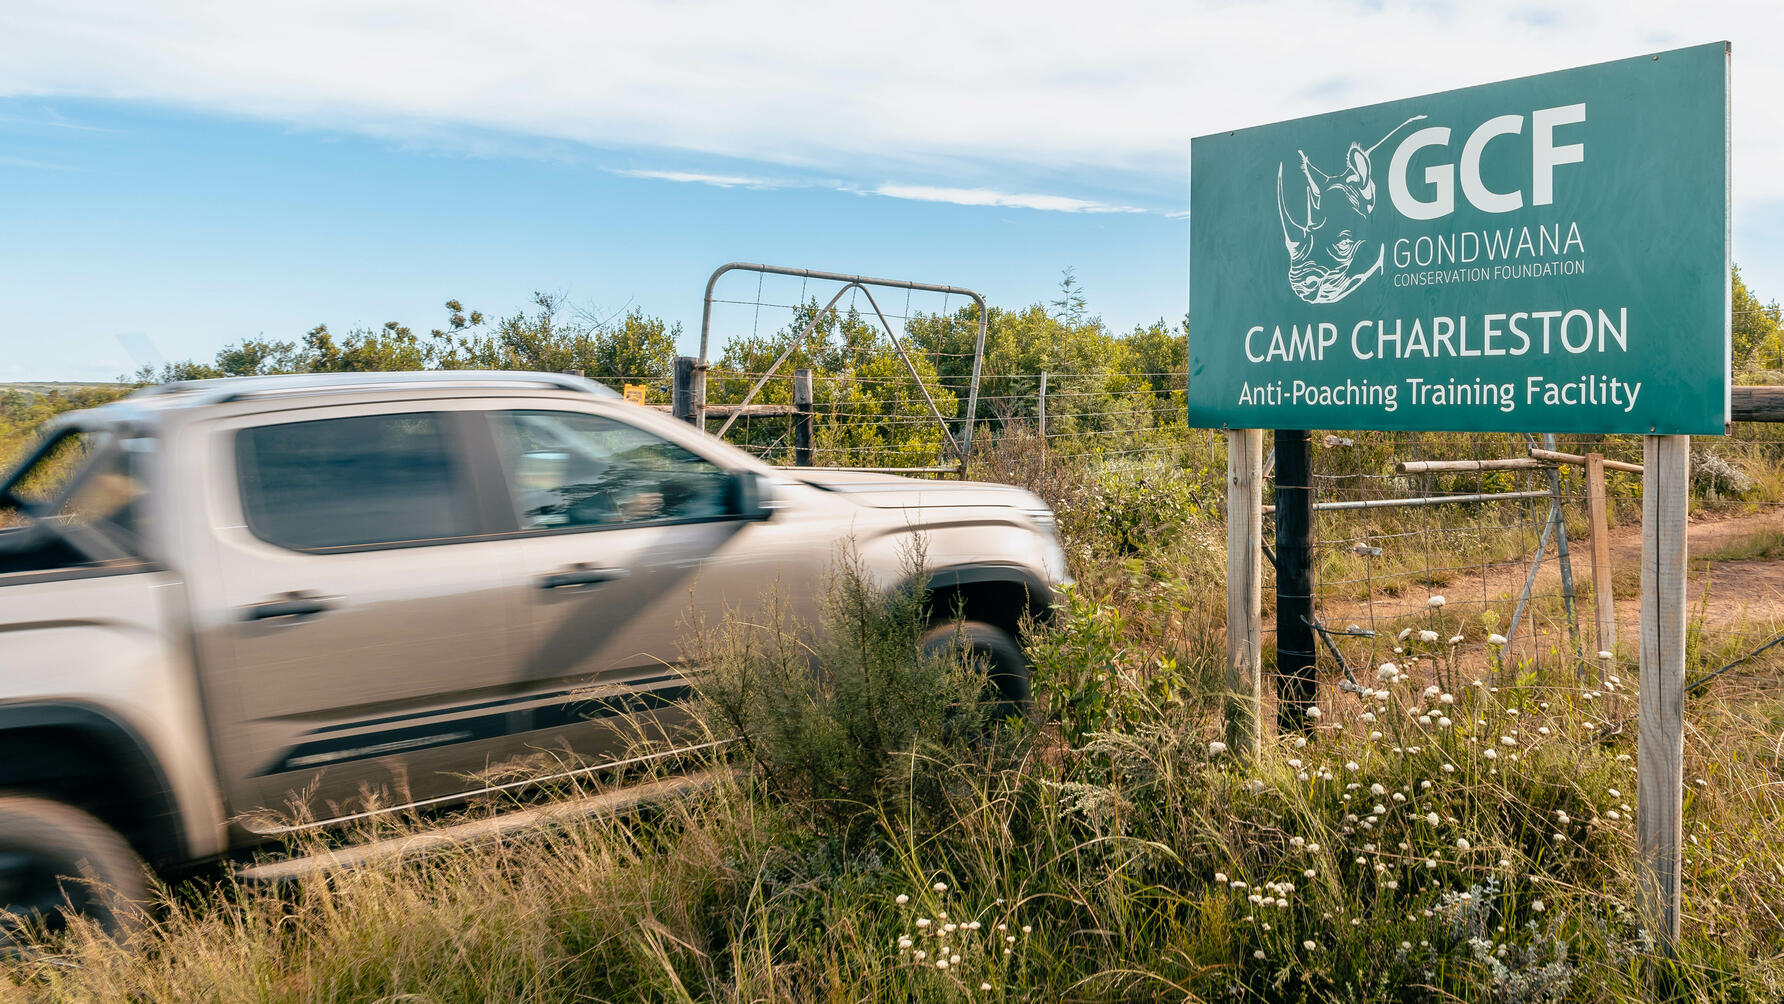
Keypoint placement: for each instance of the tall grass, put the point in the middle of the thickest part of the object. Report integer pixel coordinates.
(1433, 839)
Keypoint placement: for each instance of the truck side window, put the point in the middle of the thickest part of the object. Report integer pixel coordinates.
(353, 482)
(569, 469)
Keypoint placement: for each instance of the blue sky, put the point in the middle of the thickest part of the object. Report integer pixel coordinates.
(181, 175)
(195, 230)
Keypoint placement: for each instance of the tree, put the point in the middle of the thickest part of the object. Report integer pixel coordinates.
(1758, 328)
(1069, 308)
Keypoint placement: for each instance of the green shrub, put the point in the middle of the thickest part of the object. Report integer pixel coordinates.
(833, 716)
(1129, 513)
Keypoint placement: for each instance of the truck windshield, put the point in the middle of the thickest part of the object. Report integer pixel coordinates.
(46, 477)
(78, 502)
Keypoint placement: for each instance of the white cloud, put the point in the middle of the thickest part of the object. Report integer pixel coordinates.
(699, 178)
(920, 193)
(987, 197)
(1002, 94)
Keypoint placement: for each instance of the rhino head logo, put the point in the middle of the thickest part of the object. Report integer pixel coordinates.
(1330, 253)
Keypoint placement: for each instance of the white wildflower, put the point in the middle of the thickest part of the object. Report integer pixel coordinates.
(1437, 601)
(1313, 711)
(1606, 655)
(1495, 639)
(1310, 946)
(1427, 636)
(1456, 639)
(902, 899)
(1387, 671)
(1216, 748)
(940, 887)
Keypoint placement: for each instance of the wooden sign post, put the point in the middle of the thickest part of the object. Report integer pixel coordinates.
(1660, 742)
(1245, 590)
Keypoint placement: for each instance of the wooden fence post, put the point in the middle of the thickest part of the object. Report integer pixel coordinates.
(681, 394)
(1245, 587)
(1660, 750)
(802, 411)
(1598, 516)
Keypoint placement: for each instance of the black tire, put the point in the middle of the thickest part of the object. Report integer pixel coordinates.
(54, 857)
(1006, 668)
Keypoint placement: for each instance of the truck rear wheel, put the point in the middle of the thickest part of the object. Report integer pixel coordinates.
(55, 858)
(991, 648)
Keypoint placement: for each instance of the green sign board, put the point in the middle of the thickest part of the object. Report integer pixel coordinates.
(1546, 254)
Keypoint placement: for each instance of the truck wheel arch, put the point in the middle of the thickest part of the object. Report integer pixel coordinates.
(98, 764)
(997, 594)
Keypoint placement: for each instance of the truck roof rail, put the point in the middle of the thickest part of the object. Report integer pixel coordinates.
(225, 389)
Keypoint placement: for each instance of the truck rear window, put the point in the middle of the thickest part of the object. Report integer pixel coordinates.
(353, 482)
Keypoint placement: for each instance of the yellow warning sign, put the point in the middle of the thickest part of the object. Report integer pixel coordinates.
(635, 393)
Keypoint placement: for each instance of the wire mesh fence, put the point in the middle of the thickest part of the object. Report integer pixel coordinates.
(1494, 577)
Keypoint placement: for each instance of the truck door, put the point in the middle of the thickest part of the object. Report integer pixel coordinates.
(625, 542)
(356, 633)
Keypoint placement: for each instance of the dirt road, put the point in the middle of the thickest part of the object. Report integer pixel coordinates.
(1741, 594)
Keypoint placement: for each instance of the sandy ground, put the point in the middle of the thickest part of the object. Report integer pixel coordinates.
(1742, 595)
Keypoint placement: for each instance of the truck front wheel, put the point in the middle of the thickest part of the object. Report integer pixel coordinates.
(55, 859)
(993, 650)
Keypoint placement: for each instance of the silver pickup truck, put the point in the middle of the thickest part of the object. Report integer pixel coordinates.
(233, 607)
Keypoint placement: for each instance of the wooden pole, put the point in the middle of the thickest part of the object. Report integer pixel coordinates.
(681, 392)
(1467, 466)
(1660, 750)
(1556, 457)
(1597, 514)
(698, 393)
(802, 411)
(1041, 410)
(1245, 590)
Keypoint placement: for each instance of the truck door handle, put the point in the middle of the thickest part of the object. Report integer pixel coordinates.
(289, 605)
(580, 575)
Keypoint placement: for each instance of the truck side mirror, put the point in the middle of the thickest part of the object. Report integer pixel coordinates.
(751, 495)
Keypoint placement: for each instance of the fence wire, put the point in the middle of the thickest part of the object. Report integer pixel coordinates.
(1440, 584)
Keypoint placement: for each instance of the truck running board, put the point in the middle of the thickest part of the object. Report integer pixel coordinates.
(397, 849)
